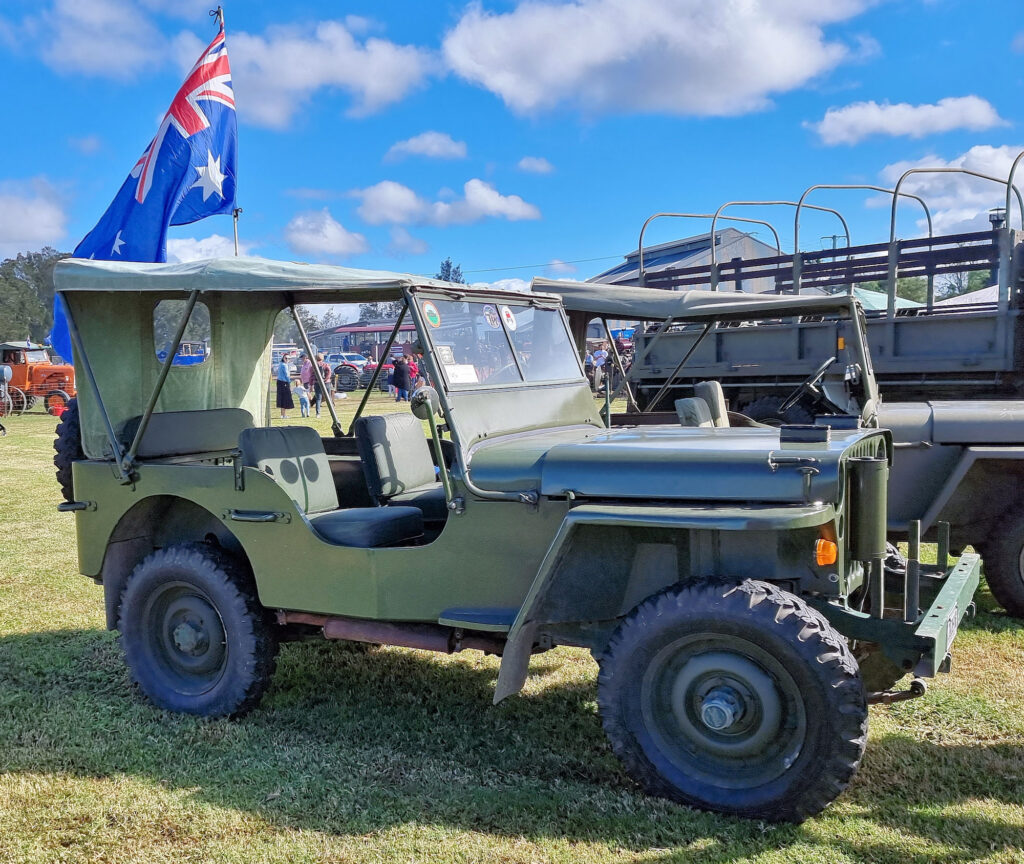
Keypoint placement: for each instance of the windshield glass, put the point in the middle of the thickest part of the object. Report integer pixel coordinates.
(474, 343)
(36, 357)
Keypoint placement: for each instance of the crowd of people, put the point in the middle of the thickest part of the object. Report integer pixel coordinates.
(308, 389)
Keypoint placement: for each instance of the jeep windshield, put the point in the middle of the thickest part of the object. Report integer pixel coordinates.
(502, 343)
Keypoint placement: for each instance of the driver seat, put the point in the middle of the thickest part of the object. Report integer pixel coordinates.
(711, 393)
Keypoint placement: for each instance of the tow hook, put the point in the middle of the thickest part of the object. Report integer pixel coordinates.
(887, 697)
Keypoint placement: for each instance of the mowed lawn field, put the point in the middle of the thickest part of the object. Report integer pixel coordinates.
(398, 755)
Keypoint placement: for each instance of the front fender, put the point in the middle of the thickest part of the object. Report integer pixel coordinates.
(536, 609)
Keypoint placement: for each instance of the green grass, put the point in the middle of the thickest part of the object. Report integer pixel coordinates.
(396, 755)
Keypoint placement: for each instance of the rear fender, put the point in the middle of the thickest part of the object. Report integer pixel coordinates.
(607, 558)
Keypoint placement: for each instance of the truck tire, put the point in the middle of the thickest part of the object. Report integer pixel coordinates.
(735, 698)
(195, 638)
(765, 409)
(1003, 560)
(56, 398)
(346, 378)
(68, 448)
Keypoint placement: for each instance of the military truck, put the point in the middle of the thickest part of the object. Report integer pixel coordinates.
(728, 580)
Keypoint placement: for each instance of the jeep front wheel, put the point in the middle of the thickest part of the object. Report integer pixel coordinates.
(734, 698)
(195, 638)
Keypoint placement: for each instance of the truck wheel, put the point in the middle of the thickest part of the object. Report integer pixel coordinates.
(1003, 558)
(195, 638)
(766, 409)
(734, 698)
(346, 378)
(56, 399)
(68, 447)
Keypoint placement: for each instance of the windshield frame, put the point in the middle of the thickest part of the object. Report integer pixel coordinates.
(545, 303)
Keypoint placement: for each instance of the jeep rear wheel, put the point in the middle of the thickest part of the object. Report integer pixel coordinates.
(734, 698)
(194, 635)
(68, 448)
(1002, 556)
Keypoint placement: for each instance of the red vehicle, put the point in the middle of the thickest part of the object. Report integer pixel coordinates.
(35, 376)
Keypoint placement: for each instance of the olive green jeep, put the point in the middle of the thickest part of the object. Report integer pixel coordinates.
(728, 580)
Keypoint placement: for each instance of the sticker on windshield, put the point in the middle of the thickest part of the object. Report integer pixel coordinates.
(491, 317)
(462, 373)
(510, 318)
(431, 314)
(446, 355)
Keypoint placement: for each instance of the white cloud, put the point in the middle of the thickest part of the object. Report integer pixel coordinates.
(403, 243)
(31, 216)
(316, 232)
(672, 56)
(433, 145)
(275, 74)
(106, 38)
(1018, 42)
(959, 202)
(519, 285)
(191, 9)
(87, 145)
(391, 202)
(557, 267)
(183, 249)
(857, 121)
(535, 165)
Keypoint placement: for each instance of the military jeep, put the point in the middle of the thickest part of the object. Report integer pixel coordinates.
(727, 580)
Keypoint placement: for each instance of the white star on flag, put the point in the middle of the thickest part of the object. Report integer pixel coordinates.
(211, 179)
(118, 243)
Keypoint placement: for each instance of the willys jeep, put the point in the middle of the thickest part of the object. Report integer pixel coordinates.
(728, 580)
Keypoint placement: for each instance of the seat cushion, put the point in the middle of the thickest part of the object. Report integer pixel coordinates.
(180, 433)
(694, 412)
(711, 392)
(293, 456)
(429, 500)
(395, 454)
(368, 527)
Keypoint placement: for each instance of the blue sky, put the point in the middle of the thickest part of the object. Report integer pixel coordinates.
(509, 135)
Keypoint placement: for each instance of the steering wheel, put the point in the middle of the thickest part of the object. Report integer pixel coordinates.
(808, 386)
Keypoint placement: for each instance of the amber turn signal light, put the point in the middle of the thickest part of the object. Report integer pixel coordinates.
(825, 553)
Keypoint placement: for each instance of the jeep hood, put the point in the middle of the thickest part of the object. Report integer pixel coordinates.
(667, 462)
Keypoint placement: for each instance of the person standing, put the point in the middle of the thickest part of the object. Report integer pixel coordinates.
(306, 372)
(284, 390)
(403, 380)
(322, 392)
(300, 390)
(600, 359)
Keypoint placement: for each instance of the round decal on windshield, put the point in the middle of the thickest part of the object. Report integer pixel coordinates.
(510, 319)
(491, 317)
(431, 314)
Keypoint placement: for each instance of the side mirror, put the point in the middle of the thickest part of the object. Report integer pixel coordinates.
(425, 403)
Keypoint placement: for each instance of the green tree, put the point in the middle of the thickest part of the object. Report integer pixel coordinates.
(450, 272)
(26, 294)
(909, 288)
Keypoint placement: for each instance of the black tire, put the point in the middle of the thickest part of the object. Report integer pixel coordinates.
(68, 447)
(30, 402)
(56, 397)
(1002, 555)
(735, 698)
(346, 378)
(766, 409)
(195, 638)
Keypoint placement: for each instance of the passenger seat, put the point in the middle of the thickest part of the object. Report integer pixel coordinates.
(294, 457)
(397, 463)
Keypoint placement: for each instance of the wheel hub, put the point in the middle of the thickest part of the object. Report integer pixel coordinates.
(721, 708)
(190, 639)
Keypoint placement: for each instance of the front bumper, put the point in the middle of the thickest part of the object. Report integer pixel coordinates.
(922, 646)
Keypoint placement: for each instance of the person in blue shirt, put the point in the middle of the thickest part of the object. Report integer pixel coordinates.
(284, 388)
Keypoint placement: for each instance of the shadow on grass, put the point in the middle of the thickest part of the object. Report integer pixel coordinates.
(350, 742)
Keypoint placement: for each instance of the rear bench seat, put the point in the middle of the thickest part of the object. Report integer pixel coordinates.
(208, 434)
(294, 457)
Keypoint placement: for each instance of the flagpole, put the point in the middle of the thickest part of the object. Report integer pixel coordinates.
(218, 13)
(234, 216)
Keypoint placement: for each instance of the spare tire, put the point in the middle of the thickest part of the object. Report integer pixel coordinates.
(68, 447)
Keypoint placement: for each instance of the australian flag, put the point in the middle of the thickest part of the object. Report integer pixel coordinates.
(186, 174)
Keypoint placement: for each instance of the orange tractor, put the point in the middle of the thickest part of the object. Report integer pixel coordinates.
(33, 377)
